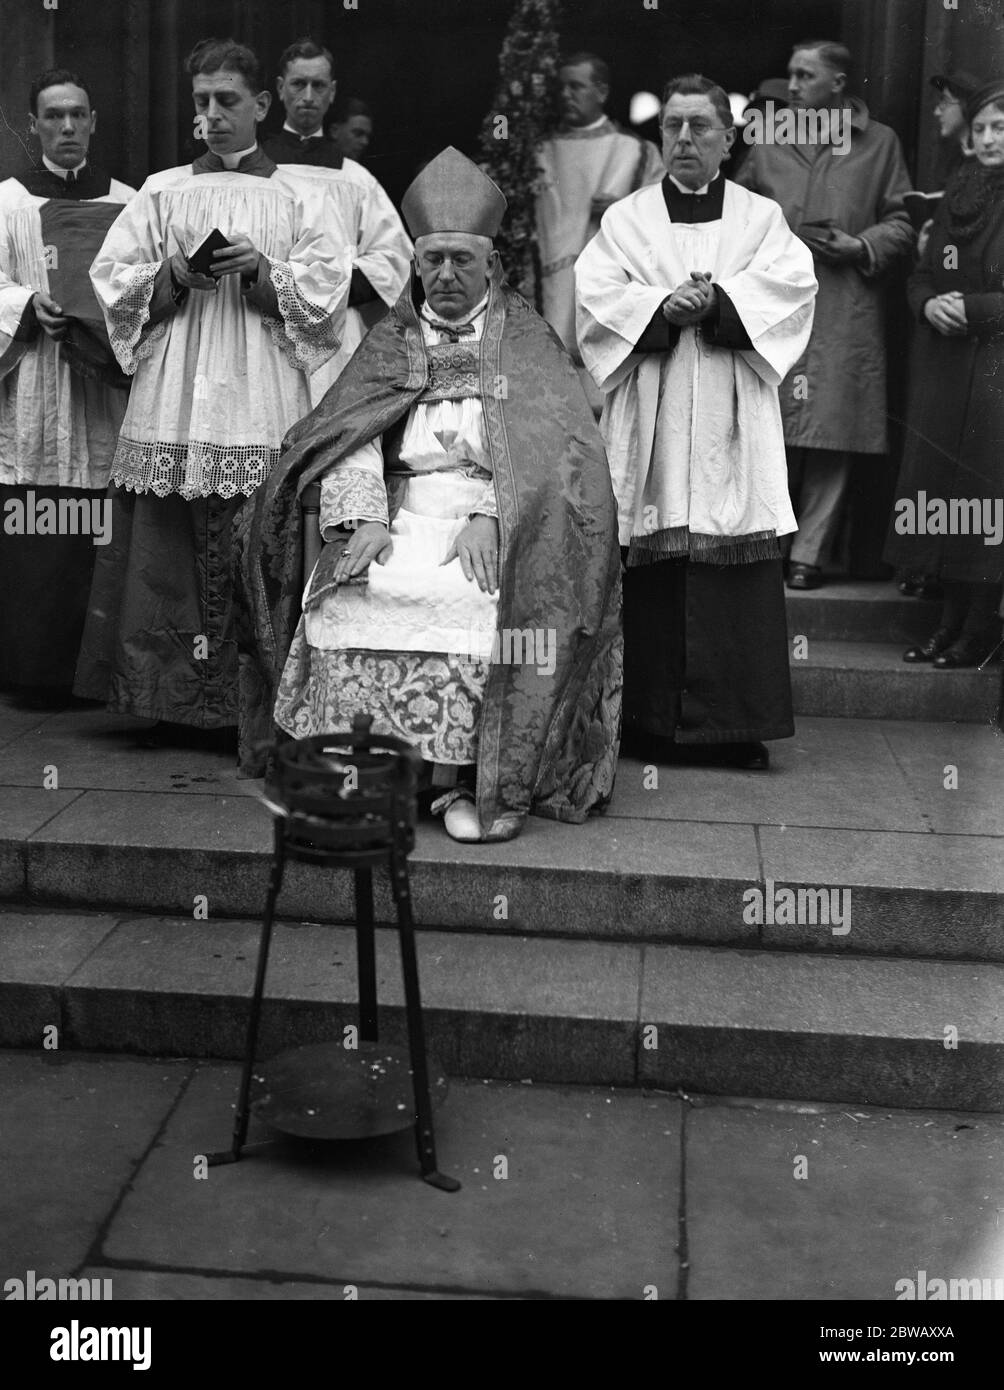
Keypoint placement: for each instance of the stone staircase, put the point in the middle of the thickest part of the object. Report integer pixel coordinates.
(853, 668)
(624, 952)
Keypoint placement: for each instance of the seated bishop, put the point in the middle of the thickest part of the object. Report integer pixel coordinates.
(467, 594)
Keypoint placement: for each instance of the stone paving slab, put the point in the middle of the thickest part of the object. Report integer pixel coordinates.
(37, 953)
(796, 1025)
(146, 1285)
(74, 1130)
(976, 805)
(884, 1197)
(99, 1183)
(22, 811)
(95, 750)
(15, 721)
(832, 773)
(588, 1209)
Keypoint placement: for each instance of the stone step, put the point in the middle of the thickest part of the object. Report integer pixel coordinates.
(855, 806)
(719, 1021)
(618, 878)
(870, 680)
(859, 611)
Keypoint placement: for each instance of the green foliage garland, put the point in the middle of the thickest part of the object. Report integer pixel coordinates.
(524, 114)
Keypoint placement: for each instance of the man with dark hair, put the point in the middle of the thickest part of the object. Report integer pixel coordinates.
(306, 88)
(694, 299)
(352, 127)
(223, 290)
(845, 200)
(61, 395)
(366, 221)
(587, 164)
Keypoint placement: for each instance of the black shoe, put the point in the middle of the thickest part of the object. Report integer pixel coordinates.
(803, 576)
(921, 586)
(939, 641)
(965, 653)
(753, 757)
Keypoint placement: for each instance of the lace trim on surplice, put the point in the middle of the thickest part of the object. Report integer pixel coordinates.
(352, 494)
(195, 469)
(306, 336)
(129, 315)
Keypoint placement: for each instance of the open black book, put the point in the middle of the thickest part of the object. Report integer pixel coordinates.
(921, 207)
(200, 262)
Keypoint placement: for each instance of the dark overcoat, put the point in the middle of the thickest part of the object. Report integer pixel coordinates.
(955, 438)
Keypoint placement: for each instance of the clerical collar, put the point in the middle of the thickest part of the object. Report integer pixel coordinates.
(706, 205)
(317, 134)
(584, 129)
(692, 192)
(231, 161)
(455, 327)
(253, 161)
(59, 171)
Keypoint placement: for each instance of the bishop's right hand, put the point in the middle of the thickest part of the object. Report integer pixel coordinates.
(369, 541)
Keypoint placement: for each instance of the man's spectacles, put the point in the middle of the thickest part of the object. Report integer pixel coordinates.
(700, 130)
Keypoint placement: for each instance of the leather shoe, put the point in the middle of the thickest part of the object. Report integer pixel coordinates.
(962, 654)
(751, 756)
(938, 642)
(804, 576)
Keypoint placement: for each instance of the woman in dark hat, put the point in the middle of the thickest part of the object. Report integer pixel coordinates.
(949, 514)
(954, 90)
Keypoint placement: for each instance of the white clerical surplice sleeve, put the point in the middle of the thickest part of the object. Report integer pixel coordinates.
(774, 296)
(354, 490)
(311, 285)
(14, 299)
(383, 250)
(613, 306)
(123, 275)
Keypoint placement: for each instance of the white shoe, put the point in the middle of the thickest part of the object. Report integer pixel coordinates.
(461, 821)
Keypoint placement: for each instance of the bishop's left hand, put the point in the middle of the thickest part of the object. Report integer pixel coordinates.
(239, 258)
(477, 548)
